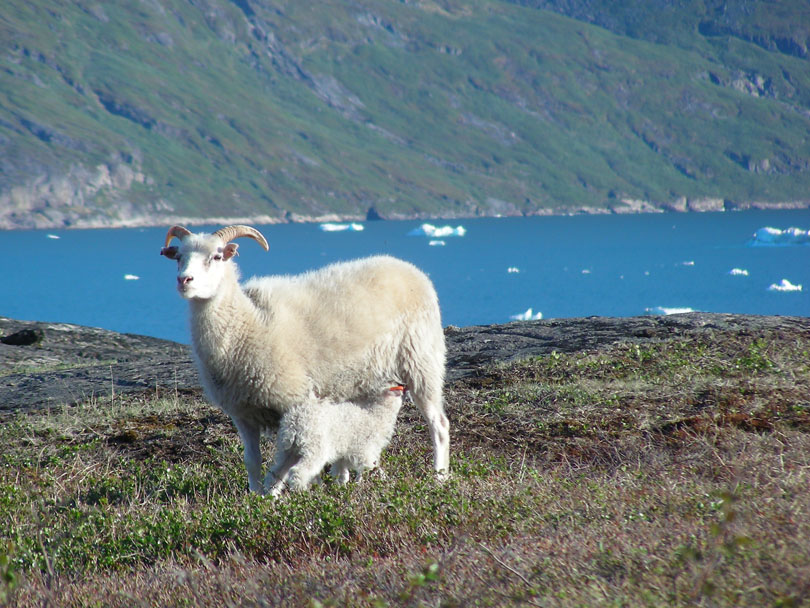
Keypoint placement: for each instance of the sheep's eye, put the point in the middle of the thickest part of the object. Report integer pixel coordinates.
(217, 256)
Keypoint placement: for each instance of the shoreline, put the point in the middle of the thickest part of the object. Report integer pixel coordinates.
(625, 207)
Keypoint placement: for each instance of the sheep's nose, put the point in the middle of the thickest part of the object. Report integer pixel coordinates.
(184, 280)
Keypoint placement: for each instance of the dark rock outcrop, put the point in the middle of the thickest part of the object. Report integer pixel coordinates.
(72, 363)
(24, 337)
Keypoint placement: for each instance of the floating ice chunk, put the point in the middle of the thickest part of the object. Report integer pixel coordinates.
(438, 231)
(738, 272)
(131, 277)
(52, 236)
(586, 271)
(769, 236)
(784, 285)
(333, 227)
(689, 263)
(437, 243)
(668, 310)
(513, 270)
(529, 315)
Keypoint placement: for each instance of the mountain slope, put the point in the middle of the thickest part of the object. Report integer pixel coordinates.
(149, 112)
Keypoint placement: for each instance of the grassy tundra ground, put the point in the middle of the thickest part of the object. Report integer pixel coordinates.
(671, 473)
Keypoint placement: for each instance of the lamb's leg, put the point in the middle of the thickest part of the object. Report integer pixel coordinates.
(304, 472)
(433, 412)
(277, 476)
(340, 471)
(250, 435)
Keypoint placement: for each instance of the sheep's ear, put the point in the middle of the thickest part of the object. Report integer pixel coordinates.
(169, 252)
(230, 251)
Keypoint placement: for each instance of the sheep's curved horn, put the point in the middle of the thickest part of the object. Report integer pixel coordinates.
(230, 233)
(176, 231)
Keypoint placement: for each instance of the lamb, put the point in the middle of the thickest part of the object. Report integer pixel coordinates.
(348, 436)
(336, 333)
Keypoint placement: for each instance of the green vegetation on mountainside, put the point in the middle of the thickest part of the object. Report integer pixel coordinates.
(136, 112)
(775, 25)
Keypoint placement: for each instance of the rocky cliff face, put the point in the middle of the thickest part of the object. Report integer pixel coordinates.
(79, 197)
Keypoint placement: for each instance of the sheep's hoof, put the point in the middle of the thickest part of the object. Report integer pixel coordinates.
(275, 490)
(443, 475)
(342, 477)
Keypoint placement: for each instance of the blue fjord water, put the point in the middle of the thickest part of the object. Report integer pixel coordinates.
(558, 266)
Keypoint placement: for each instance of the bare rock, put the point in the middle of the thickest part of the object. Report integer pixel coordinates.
(72, 363)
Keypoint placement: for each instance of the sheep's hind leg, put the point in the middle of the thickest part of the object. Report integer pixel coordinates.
(250, 435)
(433, 412)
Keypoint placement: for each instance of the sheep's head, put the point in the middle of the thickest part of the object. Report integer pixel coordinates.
(203, 259)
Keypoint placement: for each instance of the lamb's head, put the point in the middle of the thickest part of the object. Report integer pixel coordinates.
(203, 260)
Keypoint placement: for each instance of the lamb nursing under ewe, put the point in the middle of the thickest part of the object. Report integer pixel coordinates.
(272, 345)
(348, 436)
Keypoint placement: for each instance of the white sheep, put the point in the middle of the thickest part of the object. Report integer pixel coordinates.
(337, 333)
(349, 436)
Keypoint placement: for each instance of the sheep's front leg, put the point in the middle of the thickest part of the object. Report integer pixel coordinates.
(251, 435)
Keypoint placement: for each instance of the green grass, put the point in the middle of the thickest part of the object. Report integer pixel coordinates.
(665, 473)
(426, 108)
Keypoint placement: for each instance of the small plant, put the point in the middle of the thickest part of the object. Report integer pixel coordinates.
(756, 359)
(8, 574)
(420, 580)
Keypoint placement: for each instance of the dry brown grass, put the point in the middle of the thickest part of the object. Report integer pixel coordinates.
(671, 474)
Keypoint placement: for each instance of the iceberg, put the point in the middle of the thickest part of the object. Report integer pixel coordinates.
(131, 277)
(438, 231)
(529, 315)
(738, 272)
(513, 270)
(437, 243)
(784, 285)
(668, 310)
(773, 237)
(333, 227)
(53, 236)
(689, 263)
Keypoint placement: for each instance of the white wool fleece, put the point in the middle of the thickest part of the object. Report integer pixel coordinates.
(350, 436)
(265, 348)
